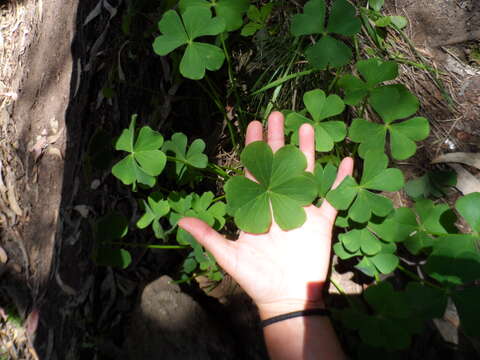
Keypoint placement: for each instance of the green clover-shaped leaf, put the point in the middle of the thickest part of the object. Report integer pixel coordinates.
(155, 209)
(376, 4)
(360, 239)
(328, 51)
(415, 229)
(197, 22)
(397, 22)
(324, 177)
(434, 183)
(469, 207)
(396, 227)
(372, 136)
(193, 157)
(363, 202)
(231, 11)
(320, 107)
(111, 227)
(383, 262)
(391, 325)
(204, 208)
(374, 72)
(466, 301)
(386, 301)
(258, 19)
(145, 160)
(393, 102)
(283, 185)
(199, 206)
(455, 259)
(425, 301)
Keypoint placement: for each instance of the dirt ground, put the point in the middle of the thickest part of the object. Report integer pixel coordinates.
(50, 78)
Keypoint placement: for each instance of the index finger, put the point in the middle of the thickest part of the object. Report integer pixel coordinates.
(254, 133)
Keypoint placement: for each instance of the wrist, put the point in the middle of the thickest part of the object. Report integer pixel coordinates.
(269, 310)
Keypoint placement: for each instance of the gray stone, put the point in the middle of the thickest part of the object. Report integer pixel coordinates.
(170, 325)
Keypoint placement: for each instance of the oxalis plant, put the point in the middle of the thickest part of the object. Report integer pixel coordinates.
(361, 110)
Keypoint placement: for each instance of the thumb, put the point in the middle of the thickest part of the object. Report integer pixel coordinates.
(222, 249)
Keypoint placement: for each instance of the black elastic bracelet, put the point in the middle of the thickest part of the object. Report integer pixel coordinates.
(308, 312)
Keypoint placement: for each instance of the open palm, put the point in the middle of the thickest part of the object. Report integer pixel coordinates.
(280, 270)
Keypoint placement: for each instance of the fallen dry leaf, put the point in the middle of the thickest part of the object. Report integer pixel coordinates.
(467, 183)
(471, 159)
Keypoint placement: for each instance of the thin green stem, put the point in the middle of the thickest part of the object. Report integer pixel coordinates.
(231, 78)
(218, 198)
(212, 92)
(213, 168)
(414, 276)
(278, 88)
(149, 246)
(342, 291)
(282, 80)
(333, 82)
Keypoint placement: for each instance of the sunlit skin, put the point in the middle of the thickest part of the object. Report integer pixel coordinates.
(283, 271)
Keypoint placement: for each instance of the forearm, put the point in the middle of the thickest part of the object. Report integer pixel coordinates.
(301, 338)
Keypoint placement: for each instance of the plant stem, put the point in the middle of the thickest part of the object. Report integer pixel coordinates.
(342, 291)
(218, 198)
(165, 247)
(418, 278)
(212, 93)
(213, 168)
(282, 80)
(231, 78)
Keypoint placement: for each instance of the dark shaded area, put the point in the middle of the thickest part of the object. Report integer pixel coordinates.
(86, 311)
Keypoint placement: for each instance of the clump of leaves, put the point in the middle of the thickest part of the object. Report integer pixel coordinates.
(396, 315)
(283, 188)
(258, 19)
(145, 160)
(327, 51)
(358, 198)
(201, 207)
(320, 107)
(176, 31)
(230, 11)
(397, 22)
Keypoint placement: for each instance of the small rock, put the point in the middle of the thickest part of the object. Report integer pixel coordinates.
(170, 325)
(3, 256)
(95, 184)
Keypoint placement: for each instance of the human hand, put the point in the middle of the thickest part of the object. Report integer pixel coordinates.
(282, 271)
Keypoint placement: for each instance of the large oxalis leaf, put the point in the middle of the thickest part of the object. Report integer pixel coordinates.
(320, 107)
(328, 51)
(193, 157)
(144, 161)
(392, 102)
(374, 72)
(197, 22)
(364, 203)
(231, 11)
(283, 188)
